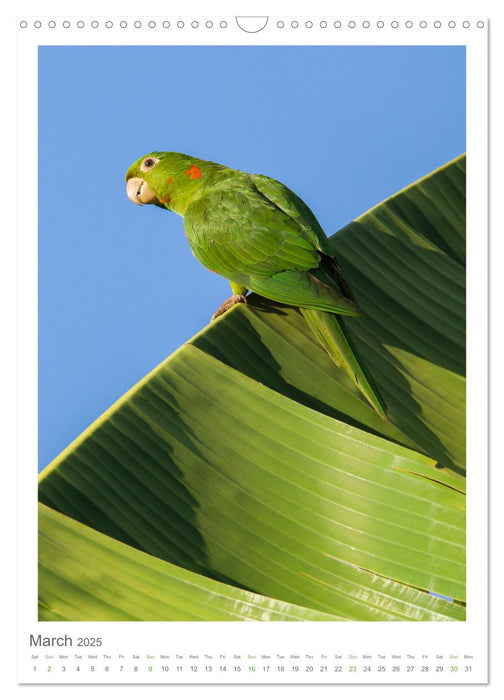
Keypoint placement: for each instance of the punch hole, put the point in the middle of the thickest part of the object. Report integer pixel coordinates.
(252, 25)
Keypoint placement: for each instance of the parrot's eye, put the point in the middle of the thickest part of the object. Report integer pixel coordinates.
(148, 163)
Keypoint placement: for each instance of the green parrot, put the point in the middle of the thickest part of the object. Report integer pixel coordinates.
(262, 237)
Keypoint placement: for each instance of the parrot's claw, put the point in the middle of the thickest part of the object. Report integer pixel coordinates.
(235, 299)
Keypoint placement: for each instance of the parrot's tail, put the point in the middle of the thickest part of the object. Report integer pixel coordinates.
(335, 339)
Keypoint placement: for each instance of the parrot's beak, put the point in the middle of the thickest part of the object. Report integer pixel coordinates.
(139, 192)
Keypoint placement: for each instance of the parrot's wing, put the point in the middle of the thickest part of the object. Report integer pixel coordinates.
(292, 205)
(239, 233)
(328, 328)
(305, 290)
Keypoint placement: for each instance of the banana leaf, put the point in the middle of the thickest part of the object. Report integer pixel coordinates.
(88, 576)
(249, 460)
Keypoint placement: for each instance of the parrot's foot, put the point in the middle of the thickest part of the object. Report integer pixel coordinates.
(235, 299)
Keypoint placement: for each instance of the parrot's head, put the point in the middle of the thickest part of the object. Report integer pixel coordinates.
(144, 179)
(166, 179)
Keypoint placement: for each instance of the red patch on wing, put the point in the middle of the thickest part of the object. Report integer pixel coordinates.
(166, 199)
(169, 181)
(194, 172)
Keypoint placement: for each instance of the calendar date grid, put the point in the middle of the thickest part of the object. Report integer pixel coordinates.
(250, 665)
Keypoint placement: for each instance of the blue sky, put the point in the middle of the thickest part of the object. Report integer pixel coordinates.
(119, 289)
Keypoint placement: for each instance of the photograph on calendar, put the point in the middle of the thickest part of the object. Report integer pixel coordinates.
(251, 333)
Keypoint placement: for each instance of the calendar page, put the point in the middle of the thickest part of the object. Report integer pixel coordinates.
(244, 330)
